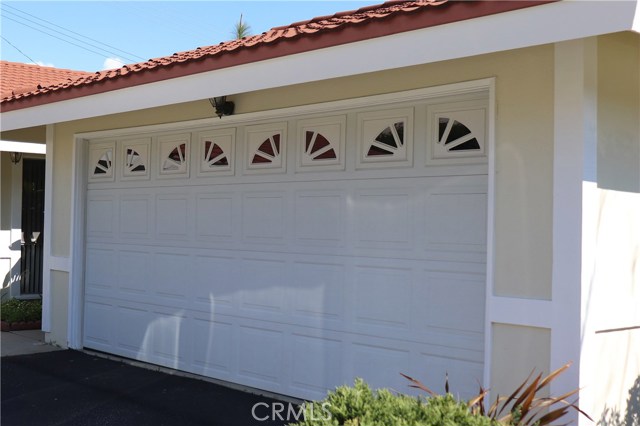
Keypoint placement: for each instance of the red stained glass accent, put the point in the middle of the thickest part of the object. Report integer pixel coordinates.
(177, 152)
(257, 159)
(267, 148)
(320, 143)
(328, 155)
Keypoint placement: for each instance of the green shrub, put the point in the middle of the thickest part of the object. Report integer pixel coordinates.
(16, 310)
(360, 406)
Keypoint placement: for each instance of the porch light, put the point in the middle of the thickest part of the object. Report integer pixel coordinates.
(15, 157)
(222, 106)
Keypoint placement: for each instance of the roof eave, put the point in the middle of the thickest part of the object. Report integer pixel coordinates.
(491, 33)
(454, 11)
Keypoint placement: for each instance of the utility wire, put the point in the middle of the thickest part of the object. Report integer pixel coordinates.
(130, 55)
(59, 38)
(14, 46)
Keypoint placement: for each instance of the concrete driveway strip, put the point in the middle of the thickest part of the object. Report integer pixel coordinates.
(73, 388)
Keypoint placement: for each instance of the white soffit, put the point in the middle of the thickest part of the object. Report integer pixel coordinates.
(548, 23)
(26, 147)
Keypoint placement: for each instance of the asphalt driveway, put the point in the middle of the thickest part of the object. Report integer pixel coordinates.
(73, 388)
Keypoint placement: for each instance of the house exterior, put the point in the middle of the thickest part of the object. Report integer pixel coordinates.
(417, 187)
(22, 188)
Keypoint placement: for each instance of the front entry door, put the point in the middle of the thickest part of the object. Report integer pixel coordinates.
(32, 226)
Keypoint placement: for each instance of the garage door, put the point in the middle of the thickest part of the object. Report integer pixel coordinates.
(296, 254)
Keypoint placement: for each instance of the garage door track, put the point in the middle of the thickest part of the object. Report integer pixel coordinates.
(74, 388)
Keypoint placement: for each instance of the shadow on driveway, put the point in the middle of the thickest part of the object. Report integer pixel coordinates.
(73, 388)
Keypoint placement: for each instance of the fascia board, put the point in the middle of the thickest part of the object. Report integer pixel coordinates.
(548, 23)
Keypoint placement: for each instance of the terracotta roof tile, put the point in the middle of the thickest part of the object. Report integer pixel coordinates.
(303, 31)
(66, 79)
(17, 78)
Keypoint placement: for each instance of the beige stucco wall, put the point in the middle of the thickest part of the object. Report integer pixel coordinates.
(516, 351)
(524, 159)
(60, 309)
(612, 312)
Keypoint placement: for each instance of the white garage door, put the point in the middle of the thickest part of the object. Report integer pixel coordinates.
(295, 255)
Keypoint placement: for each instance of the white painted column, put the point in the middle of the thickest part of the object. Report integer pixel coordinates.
(574, 185)
(46, 259)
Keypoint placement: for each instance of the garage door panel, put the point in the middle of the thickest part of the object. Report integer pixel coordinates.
(97, 325)
(172, 275)
(384, 218)
(260, 355)
(263, 286)
(448, 220)
(382, 297)
(315, 363)
(136, 221)
(213, 347)
(320, 218)
(173, 217)
(101, 269)
(101, 216)
(134, 270)
(317, 290)
(215, 217)
(215, 283)
(263, 217)
(379, 363)
(167, 337)
(132, 325)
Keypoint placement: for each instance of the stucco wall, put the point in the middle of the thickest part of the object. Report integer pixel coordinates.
(518, 350)
(612, 312)
(524, 159)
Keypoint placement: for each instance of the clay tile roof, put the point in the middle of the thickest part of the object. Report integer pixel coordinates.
(325, 31)
(17, 78)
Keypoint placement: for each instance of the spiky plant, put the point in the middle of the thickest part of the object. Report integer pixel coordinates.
(524, 407)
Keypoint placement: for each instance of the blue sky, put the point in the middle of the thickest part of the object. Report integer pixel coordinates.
(99, 34)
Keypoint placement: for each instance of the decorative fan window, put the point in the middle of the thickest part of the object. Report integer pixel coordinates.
(136, 154)
(455, 136)
(321, 144)
(318, 147)
(176, 158)
(458, 133)
(104, 164)
(174, 155)
(101, 161)
(268, 150)
(265, 148)
(216, 152)
(385, 138)
(388, 142)
(134, 163)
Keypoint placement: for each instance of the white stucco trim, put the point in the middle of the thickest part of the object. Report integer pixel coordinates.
(491, 232)
(25, 147)
(75, 313)
(46, 258)
(561, 21)
(574, 168)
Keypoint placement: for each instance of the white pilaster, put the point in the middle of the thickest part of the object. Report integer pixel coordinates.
(575, 179)
(46, 259)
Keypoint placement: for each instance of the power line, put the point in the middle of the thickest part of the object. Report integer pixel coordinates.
(23, 54)
(110, 52)
(62, 39)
